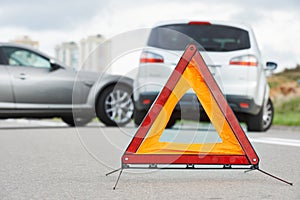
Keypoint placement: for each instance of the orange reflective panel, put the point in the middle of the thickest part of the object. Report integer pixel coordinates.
(191, 79)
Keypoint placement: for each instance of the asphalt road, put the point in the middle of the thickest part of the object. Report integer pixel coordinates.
(48, 160)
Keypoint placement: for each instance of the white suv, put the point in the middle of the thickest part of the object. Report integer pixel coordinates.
(232, 54)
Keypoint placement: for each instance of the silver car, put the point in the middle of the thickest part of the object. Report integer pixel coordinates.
(33, 85)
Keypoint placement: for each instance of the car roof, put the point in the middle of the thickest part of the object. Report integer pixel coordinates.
(225, 23)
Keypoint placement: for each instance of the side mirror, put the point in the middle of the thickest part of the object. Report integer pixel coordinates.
(271, 66)
(54, 65)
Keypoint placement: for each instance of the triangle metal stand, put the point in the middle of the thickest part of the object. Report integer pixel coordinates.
(119, 176)
(151, 166)
(268, 174)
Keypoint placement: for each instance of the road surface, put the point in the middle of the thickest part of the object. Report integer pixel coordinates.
(48, 160)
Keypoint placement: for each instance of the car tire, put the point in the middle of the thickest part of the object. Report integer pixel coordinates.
(115, 105)
(263, 120)
(138, 116)
(268, 115)
(171, 123)
(78, 121)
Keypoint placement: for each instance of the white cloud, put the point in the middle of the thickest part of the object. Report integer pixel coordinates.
(47, 15)
(278, 34)
(275, 23)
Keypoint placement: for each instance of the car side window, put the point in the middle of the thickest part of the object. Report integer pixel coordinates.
(23, 57)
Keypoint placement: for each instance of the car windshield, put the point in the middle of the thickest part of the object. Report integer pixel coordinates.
(213, 38)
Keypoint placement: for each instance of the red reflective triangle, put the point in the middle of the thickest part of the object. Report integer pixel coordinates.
(131, 155)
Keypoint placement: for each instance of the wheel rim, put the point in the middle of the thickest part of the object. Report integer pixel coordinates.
(119, 106)
(268, 115)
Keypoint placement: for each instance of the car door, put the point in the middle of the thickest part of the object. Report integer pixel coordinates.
(6, 97)
(36, 83)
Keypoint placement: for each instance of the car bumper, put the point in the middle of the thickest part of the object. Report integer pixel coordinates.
(190, 103)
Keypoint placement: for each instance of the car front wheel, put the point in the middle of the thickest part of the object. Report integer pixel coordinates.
(115, 106)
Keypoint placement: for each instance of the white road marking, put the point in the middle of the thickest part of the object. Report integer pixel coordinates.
(276, 141)
(36, 122)
(265, 140)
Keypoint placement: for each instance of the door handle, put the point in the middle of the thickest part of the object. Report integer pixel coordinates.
(22, 76)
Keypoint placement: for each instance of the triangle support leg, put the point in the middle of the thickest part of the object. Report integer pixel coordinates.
(114, 171)
(275, 177)
(253, 167)
(121, 170)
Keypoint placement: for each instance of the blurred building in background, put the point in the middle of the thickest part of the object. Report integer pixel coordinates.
(68, 53)
(90, 53)
(83, 56)
(26, 40)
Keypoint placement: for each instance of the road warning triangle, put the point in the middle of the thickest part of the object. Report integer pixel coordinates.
(147, 147)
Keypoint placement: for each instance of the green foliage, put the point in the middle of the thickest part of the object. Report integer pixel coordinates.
(288, 112)
(292, 105)
(287, 119)
(273, 84)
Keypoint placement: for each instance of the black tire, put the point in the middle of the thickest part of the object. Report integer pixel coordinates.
(115, 106)
(204, 117)
(171, 122)
(263, 120)
(77, 121)
(139, 115)
(268, 115)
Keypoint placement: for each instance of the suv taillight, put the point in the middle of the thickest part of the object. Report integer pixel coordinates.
(199, 23)
(149, 57)
(246, 60)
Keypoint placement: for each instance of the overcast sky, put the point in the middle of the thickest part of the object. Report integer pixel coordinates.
(275, 23)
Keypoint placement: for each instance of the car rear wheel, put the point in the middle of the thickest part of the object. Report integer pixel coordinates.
(268, 115)
(171, 123)
(139, 115)
(263, 120)
(115, 106)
